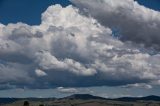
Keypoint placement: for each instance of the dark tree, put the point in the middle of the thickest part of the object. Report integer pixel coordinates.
(26, 103)
(41, 105)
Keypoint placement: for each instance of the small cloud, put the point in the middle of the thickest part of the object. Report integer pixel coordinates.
(67, 90)
(138, 85)
(40, 73)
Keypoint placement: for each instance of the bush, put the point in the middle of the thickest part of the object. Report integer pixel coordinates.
(26, 103)
(41, 105)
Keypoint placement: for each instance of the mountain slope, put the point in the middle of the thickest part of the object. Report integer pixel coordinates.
(83, 97)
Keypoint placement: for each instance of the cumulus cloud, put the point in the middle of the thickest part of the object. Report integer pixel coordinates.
(71, 50)
(130, 20)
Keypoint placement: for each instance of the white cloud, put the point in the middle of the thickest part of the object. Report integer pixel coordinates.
(70, 49)
(138, 85)
(40, 73)
(67, 90)
(47, 61)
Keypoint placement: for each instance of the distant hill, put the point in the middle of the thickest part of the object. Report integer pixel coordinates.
(127, 99)
(147, 98)
(8, 100)
(82, 97)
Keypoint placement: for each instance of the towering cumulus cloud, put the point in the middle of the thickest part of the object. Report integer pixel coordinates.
(70, 49)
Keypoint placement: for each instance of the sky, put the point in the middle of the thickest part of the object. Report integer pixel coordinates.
(150, 4)
(56, 48)
(18, 11)
(27, 11)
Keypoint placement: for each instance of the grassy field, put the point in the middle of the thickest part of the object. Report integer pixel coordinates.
(66, 102)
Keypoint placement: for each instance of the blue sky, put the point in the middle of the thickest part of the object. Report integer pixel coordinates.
(29, 11)
(54, 61)
(154, 4)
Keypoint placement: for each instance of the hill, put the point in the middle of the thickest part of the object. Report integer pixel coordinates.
(84, 100)
(83, 97)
